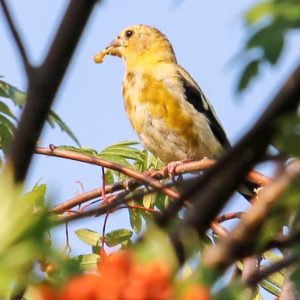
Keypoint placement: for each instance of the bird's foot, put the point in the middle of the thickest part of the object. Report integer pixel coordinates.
(170, 169)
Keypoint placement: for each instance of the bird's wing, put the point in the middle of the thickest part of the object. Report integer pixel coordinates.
(195, 96)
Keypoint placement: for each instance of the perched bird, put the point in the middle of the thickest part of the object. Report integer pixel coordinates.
(166, 107)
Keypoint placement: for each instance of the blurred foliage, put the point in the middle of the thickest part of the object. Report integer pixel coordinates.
(25, 241)
(22, 232)
(268, 23)
(8, 119)
(287, 139)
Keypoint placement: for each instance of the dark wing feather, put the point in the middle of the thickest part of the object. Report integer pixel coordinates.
(195, 96)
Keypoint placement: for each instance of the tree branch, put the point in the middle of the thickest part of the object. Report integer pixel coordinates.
(145, 179)
(133, 182)
(17, 38)
(241, 241)
(44, 83)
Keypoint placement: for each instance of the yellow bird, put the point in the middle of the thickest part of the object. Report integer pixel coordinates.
(167, 109)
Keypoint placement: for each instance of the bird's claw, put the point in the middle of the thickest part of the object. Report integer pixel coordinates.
(170, 168)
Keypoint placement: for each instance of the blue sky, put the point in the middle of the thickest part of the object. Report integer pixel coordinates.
(206, 35)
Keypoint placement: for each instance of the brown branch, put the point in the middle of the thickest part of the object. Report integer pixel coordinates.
(259, 275)
(151, 210)
(241, 241)
(80, 199)
(145, 179)
(219, 229)
(205, 164)
(44, 82)
(16, 37)
(288, 290)
(229, 216)
(131, 183)
(250, 267)
(117, 202)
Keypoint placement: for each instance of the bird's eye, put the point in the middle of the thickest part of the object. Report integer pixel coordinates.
(129, 33)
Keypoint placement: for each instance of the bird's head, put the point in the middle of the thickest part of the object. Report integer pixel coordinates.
(140, 44)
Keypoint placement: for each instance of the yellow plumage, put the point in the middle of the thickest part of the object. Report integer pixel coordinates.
(165, 106)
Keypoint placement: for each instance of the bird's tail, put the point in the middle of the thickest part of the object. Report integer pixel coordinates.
(248, 189)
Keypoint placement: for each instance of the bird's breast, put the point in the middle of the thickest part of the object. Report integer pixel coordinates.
(167, 125)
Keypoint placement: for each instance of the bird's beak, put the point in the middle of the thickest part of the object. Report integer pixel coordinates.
(115, 48)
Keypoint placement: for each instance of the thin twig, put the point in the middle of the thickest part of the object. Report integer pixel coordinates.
(17, 38)
(229, 216)
(103, 230)
(103, 194)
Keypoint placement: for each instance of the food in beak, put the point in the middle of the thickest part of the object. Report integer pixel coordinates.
(98, 58)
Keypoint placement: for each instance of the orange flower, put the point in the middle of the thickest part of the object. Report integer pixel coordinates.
(119, 278)
(83, 287)
(196, 292)
(47, 292)
(150, 281)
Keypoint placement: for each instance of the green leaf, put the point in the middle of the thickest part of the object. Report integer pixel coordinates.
(83, 150)
(8, 91)
(128, 153)
(135, 220)
(249, 72)
(53, 119)
(258, 12)
(156, 244)
(268, 286)
(36, 196)
(118, 236)
(115, 159)
(89, 237)
(68, 268)
(271, 256)
(88, 262)
(123, 150)
(109, 177)
(7, 122)
(123, 154)
(270, 39)
(96, 250)
(288, 135)
(161, 201)
(6, 136)
(126, 244)
(125, 143)
(233, 291)
(18, 97)
(276, 279)
(7, 129)
(295, 277)
(6, 110)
